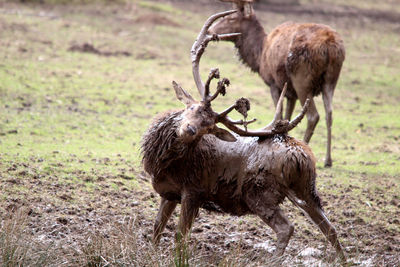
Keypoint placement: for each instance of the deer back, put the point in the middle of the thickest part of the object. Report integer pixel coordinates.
(298, 49)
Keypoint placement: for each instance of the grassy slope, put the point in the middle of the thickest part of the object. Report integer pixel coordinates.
(367, 4)
(77, 118)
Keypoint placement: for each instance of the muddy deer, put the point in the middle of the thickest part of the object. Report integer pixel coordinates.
(307, 56)
(193, 162)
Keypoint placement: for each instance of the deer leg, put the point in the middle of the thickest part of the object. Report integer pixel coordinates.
(282, 227)
(312, 117)
(189, 211)
(275, 94)
(290, 104)
(327, 96)
(319, 218)
(263, 200)
(164, 213)
(302, 84)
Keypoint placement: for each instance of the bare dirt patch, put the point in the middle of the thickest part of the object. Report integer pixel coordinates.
(89, 48)
(156, 19)
(333, 11)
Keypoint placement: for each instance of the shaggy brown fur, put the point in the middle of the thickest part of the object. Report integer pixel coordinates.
(307, 56)
(250, 176)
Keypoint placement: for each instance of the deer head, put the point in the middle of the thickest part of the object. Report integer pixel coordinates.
(233, 22)
(198, 118)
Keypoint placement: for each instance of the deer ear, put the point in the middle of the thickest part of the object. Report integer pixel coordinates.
(182, 95)
(223, 134)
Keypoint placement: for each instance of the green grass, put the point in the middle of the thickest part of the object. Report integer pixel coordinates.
(368, 4)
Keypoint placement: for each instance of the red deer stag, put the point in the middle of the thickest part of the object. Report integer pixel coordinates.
(193, 162)
(308, 57)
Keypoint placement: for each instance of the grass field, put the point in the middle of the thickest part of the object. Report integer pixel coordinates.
(79, 85)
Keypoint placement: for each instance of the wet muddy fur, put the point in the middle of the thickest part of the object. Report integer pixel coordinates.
(249, 176)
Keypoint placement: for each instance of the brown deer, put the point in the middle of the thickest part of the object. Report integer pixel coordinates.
(307, 56)
(193, 162)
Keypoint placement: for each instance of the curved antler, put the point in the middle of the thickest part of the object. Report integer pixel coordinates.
(199, 46)
(246, 5)
(242, 105)
(277, 125)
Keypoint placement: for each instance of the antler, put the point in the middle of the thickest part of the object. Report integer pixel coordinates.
(275, 127)
(198, 49)
(242, 105)
(245, 4)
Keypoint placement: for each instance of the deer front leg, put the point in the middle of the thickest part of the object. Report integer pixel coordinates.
(164, 213)
(189, 210)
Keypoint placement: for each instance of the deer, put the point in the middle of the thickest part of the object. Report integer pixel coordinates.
(239, 171)
(306, 56)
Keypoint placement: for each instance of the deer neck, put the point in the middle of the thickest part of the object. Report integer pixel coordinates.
(163, 151)
(250, 43)
(160, 145)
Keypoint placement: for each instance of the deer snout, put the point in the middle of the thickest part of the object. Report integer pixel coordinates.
(191, 130)
(188, 133)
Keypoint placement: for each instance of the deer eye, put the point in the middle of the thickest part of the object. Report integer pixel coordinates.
(191, 108)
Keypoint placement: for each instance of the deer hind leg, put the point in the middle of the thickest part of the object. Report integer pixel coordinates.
(265, 206)
(312, 117)
(327, 96)
(281, 226)
(164, 213)
(275, 94)
(302, 83)
(319, 218)
(290, 104)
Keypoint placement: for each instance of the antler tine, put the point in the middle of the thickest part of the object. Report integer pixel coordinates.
(231, 125)
(245, 4)
(214, 73)
(224, 113)
(278, 110)
(277, 126)
(201, 43)
(293, 123)
(221, 89)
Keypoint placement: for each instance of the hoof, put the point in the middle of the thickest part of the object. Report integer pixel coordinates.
(328, 163)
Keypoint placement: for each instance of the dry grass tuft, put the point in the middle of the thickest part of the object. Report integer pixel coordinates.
(123, 243)
(17, 246)
(120, 243)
